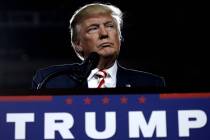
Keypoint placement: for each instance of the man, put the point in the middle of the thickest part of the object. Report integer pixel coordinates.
(97, 28)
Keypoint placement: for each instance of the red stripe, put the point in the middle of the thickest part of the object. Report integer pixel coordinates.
(184, 95)
(101, 83)
(25, 98)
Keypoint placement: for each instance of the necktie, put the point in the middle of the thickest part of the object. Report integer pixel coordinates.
(101, 75)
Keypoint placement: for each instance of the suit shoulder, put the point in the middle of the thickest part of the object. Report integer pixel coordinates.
(138, 72)
(44, 72)
(144, 76)
(55, 68)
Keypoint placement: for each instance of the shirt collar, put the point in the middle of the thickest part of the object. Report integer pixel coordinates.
(112, 71)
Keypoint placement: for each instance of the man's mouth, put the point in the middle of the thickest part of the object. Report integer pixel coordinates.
(104, 45)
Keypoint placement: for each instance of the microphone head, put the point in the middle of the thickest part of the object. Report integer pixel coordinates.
(89, 64)
(93, 60)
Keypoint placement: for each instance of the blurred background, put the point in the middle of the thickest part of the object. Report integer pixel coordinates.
(165, 38)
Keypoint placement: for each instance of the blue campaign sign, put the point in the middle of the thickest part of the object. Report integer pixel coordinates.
(118, 117)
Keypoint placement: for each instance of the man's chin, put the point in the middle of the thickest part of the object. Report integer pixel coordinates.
(107, 52)
(108, 55)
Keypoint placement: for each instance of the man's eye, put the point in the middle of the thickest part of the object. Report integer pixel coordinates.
(91, 29)
(110, 25)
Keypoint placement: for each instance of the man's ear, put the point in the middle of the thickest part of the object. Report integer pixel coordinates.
(78, 47)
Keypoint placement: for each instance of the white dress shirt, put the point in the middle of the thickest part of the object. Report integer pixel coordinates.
(110, 80)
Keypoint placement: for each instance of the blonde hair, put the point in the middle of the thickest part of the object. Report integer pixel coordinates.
(89, 9)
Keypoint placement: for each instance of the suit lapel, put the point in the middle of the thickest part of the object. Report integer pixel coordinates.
(73, 83)
(122, 78)
(85, 84)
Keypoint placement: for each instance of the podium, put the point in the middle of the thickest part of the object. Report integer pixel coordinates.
(114, 114)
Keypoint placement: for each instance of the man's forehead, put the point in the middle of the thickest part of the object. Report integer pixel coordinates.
(97, 18)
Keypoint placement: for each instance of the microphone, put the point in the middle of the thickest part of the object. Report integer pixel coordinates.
(89, 64)
(78, 73)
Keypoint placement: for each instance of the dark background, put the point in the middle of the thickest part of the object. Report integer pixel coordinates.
(165, 38)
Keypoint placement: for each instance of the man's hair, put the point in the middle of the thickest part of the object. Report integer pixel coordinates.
(89, 9)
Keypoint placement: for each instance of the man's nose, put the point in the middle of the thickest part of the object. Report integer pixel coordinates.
(103, 33)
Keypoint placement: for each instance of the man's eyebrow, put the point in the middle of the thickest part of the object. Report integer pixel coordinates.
(97, 24)
(107, 22)
(93, 24)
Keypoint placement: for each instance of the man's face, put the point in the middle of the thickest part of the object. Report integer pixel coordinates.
(99, 33)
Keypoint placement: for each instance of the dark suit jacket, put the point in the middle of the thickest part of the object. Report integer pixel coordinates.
(125, 78)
